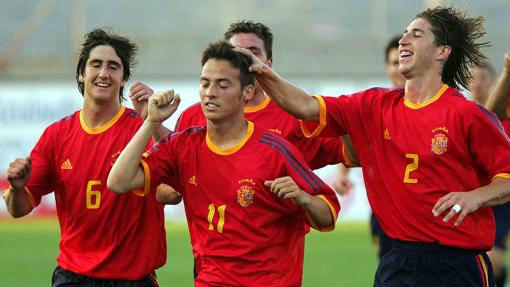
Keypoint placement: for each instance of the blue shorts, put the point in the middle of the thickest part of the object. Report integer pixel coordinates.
(426, 264)
(66, 278)
(379, 237)
(502, 216)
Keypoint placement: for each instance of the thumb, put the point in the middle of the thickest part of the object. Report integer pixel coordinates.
(268, 182)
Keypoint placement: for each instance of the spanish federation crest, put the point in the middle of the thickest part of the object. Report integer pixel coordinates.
(245, 195)
(439, 143)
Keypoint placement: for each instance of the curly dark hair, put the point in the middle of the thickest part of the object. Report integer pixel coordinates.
(125, 49)
(453, 28)
(259, 29)
(224, 51)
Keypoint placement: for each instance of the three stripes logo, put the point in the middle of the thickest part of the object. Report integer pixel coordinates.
(66, 165)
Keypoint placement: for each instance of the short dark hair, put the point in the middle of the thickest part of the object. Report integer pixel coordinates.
(224, 51)
(125, 49)
(259, 29)
(392, 44)
(451, 27)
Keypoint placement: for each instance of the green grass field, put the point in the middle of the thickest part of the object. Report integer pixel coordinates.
(29, 247)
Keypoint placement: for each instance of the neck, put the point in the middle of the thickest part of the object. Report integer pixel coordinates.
(227, 134)
(422, 89)
(258, 97)
(97, 115)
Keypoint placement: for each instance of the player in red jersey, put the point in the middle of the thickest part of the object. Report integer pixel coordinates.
(497, 102)
(247, 192)
(106, 239)
(433, 161)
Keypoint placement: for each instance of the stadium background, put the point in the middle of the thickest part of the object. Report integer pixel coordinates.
(326, 46)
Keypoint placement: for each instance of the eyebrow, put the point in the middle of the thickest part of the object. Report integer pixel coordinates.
(415, 30)
(110, 62)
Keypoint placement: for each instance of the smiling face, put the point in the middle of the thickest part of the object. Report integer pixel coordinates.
(418, 53)
(221, 96)
(103, 75)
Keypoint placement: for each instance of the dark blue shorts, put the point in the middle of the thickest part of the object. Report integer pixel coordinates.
(426, 264)
(379, 237)
(67, 278)
(502, 216)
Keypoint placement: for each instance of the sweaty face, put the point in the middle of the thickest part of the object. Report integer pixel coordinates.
(418, 54)
(253, 43)
(220, 91)
(481, 84)
(102, 77)
(397, 80)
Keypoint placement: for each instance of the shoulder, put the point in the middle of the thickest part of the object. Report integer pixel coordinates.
(65, 122)
(191, 132)
(193, 109)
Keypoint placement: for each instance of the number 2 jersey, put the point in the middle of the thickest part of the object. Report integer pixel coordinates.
(241, 233)
(103, 235)
(412, 155)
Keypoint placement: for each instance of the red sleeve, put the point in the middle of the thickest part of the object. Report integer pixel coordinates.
(488, 142)
(298, 170)
(338, 116)
(42, 180)
(320, 152)
(160, 164)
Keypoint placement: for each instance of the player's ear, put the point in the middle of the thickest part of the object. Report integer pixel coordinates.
(248, 92)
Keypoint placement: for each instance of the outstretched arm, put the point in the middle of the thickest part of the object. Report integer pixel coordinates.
(16, 197)
(498, 99)
(126, 173)
(317, 209)
(289, 97)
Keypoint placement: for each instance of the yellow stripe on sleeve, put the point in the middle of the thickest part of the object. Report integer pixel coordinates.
(322, 120)
(147, 180)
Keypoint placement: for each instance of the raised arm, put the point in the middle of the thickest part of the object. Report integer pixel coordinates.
(16, 197)
(289, 97)
(498, 99)
(139, 94)
(126, 173)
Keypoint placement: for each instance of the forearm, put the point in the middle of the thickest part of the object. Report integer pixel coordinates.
(498, 98)
(18, 203)
(160, 132)
(495, 193)
(318, 211)
(126, 173)
(289, 97)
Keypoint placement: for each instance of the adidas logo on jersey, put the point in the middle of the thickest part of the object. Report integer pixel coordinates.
(66, 165)
(387, 134)
(193, 180)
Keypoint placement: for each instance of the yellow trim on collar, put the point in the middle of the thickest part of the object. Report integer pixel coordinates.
(104, 127)
(262, 106)
(436, 97)
(217, 150)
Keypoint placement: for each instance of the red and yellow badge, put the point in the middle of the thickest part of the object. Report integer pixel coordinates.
(439, 143)
(245, 195)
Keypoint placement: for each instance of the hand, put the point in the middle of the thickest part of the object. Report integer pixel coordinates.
(162, 105)
(139, 94)
(258, 66)
(19, 172)
(506, 64)
(343, 186)
(166, 194)
(468, 201)
(286, 188)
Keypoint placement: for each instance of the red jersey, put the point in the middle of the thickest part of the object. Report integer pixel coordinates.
(414, 154)
(317, 152)
(241, 233)
(103, 235)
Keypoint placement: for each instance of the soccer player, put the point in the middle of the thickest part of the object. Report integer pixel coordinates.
(482, 82)
(433, 162)
(247, 193)
(497, 102)
(106, 239)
